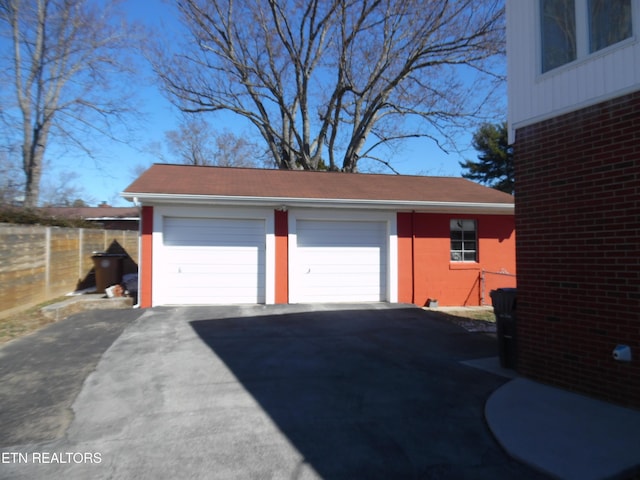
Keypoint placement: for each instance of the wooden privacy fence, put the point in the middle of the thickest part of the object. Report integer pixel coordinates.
(39, 263)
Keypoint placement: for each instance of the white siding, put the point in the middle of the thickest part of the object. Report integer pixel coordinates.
(594, 78)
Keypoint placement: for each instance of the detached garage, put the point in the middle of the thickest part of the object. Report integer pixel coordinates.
(215, 235)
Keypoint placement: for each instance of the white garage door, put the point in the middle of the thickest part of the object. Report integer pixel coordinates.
(212, 261)
(340, 261)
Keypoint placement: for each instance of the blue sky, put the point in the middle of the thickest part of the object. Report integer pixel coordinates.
(104, 178)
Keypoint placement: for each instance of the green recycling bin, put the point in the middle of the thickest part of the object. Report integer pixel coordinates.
(504, 302)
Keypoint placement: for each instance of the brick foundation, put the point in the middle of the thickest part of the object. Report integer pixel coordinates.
(578, 249)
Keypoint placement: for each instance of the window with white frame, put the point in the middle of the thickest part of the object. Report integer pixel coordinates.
(558, 25)
(464, 243)
(573, 29)
(609, 22)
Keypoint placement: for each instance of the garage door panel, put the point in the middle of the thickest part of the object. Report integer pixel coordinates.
(195, 277)
(340, 268)
(209, 232)
(196, 296)
(325, 234)
(346, 261)
(327, 275)
(230, 288)
(211, 260)
(341, 261)
(222, 250)
(340, 295)
(218, 270)
(351, 254)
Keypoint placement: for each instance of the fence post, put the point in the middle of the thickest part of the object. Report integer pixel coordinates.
(80, 251)
(47, 262)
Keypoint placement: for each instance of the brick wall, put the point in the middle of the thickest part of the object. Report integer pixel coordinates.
(578, 249)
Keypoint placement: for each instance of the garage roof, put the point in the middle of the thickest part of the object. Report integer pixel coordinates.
(187, 183)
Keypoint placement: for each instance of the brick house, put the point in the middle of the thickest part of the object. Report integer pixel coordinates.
(574, 119)
(235, 235)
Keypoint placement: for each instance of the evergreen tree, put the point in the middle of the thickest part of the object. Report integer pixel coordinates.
(494, 166)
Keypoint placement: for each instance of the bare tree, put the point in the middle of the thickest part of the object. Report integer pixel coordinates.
(64, 191)
(195, 142)
(192, 143)
(336, 79)
(11, 188)
(236, 151)
(64, 57)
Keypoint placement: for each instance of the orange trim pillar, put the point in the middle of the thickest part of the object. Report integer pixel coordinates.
(146, 257)
(406, 273)
(281, 227)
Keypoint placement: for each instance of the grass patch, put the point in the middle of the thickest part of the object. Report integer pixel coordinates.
(22, 323)
(473, 314)
(471, 319)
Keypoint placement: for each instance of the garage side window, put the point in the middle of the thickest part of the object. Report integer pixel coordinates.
(464, 243)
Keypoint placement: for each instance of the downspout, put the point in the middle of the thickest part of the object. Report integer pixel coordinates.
(139, 206)
(413, 257)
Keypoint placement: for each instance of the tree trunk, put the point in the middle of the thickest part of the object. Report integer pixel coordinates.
(32, 156)
(33, 175)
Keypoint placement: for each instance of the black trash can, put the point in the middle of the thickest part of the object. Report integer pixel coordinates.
(504, 306)
(108, 268)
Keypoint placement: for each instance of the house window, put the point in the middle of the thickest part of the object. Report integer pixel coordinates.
(558, 23)
(464, 245)
(574, 29)
(609, 22)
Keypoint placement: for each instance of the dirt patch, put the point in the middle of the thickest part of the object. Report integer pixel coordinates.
(23, 323)
(472, 320)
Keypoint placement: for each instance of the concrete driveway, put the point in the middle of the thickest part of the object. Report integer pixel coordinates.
(283, 392)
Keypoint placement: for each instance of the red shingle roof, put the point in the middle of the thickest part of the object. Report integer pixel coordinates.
(187, 180)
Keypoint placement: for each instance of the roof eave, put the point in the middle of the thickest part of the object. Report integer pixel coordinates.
(288, 202)
(99, 219)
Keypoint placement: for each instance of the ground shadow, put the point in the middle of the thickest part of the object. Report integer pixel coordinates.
(371, 393)
(128, 266)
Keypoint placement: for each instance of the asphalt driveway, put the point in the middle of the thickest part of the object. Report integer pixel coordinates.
(285, 391)
(42, 373)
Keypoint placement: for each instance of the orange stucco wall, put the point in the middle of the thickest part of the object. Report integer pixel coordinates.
(281, 225)
(146, 252)
(426, 272)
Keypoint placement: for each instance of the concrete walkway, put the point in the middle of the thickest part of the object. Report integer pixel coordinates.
(566, 435)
